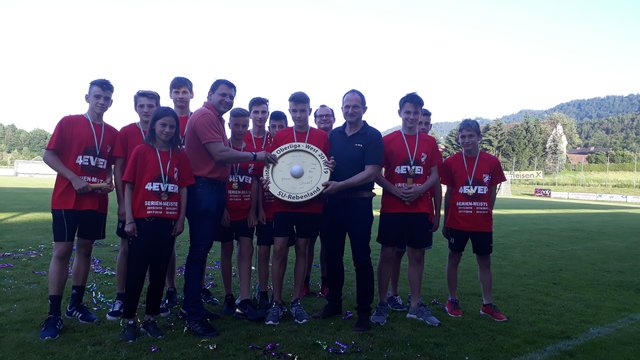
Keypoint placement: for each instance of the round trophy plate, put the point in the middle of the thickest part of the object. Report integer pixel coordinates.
(299, 174)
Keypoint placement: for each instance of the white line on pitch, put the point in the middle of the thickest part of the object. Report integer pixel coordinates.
(592, 333)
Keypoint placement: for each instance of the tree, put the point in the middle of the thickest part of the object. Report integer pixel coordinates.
(535, 140)
(494, 138)
(516, 150)
(451, 143)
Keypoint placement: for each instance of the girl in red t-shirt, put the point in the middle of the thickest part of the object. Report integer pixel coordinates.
(156, 178)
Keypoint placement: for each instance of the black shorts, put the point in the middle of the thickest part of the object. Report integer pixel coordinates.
(304, 225)
(482, 242)
(235, 231)
(405, 229)
(264, 233)
(120, 230)
(86, 224)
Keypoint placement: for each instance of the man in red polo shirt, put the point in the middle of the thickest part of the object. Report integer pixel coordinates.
(80, 151)
(210, 156)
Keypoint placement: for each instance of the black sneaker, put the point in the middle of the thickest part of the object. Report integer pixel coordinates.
(246, 311)
(229, 304)
(151, 328)
(81, 313)
(170, 298)
(116, 310)
(182, 314)
(202, 328)
(362, 324)
(208, 298)
(51, 327)
(263, 301)
(327, 312)
(164, 311)
(129, 331)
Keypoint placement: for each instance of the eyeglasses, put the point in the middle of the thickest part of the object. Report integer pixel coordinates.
(325, 116)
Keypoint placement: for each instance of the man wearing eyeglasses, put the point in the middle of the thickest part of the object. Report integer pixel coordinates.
(144, 103)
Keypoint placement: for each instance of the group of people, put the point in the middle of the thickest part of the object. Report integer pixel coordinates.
(174, 164)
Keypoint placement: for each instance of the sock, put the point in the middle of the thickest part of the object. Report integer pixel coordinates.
(77, 293)
(55, 305)
(120, 296)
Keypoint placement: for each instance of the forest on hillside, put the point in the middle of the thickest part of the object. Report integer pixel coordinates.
(522, 140)
(19, 144)
(585, 110)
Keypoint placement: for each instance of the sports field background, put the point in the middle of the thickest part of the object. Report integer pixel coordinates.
(565, 273)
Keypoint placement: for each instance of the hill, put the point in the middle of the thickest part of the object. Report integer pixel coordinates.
(581, 110)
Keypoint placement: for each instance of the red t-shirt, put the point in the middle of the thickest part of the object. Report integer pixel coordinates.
(73, 142)
(471, 212)
(152, 198)
(206, 126)
(184, 119)
(242, 176)
(397, 169)
(128, 138)
(267, 197)
(258, 143)
(319, 139)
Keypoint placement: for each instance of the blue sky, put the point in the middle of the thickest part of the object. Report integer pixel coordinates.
(465, 58)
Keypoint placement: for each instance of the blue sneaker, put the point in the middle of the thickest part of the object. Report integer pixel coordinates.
(51, 327)
(274, 315)
(380, 315)
(423, 313)
(395, 303)
(300, 316)
(81, 313)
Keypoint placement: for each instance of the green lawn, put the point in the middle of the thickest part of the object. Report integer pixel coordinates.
(563, 271)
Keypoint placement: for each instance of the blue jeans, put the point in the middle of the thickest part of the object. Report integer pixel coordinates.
(205, 206)
(352, 216)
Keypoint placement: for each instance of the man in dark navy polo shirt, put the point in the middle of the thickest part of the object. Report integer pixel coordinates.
(357, 149)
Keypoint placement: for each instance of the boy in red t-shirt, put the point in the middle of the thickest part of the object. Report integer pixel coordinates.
(435, 194)
(304, 217)
(80, 152)
(155, 178)
(472, 177)
(239, 220)
(181, 93)
(410, 164)
(144, 103)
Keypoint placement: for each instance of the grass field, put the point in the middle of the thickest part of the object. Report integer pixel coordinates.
(565, 273)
